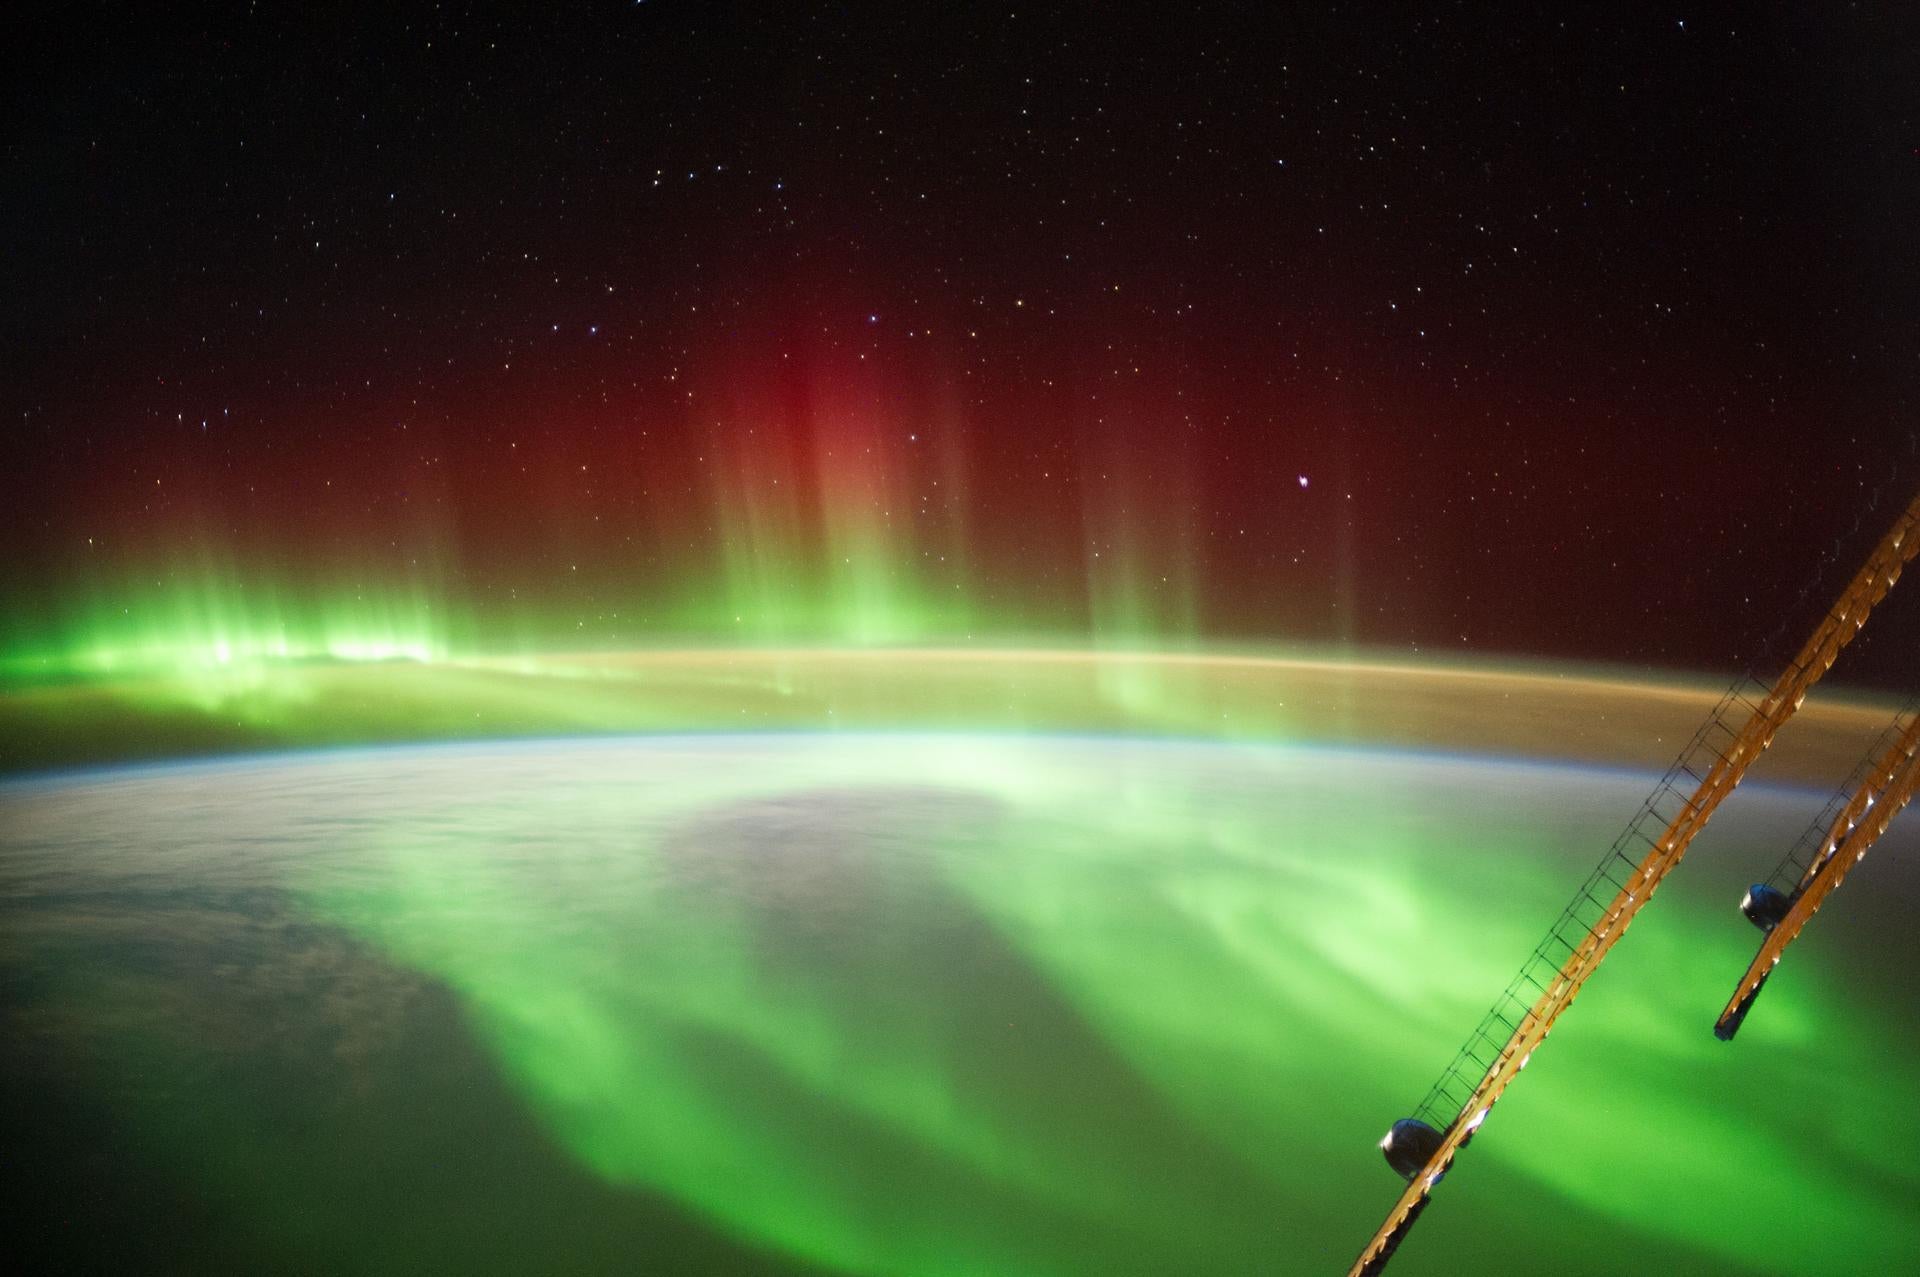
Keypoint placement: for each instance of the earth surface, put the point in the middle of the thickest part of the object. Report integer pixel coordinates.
(913, 1003)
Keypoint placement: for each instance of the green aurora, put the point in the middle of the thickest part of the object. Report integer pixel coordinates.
(938, 1004)
(772, 570)
(1191, 1005)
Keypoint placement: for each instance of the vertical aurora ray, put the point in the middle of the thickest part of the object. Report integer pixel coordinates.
(760, 516)
(830, 515)
(873, 580)
(1142, 563)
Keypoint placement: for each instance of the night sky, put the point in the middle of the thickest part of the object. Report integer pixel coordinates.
(1478, 328)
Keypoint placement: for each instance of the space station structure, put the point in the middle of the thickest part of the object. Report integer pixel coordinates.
(1815, 866)
(1421, 1148)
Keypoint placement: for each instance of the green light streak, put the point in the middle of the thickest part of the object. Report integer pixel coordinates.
(213, 631)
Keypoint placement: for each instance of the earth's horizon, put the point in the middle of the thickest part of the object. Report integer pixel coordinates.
(200, 707)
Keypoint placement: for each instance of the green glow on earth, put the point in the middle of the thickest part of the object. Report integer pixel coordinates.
(1008, 1009)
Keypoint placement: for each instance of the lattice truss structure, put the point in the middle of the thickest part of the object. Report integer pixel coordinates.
(1740, 726)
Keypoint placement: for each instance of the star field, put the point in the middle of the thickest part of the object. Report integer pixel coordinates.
(1483, 328)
